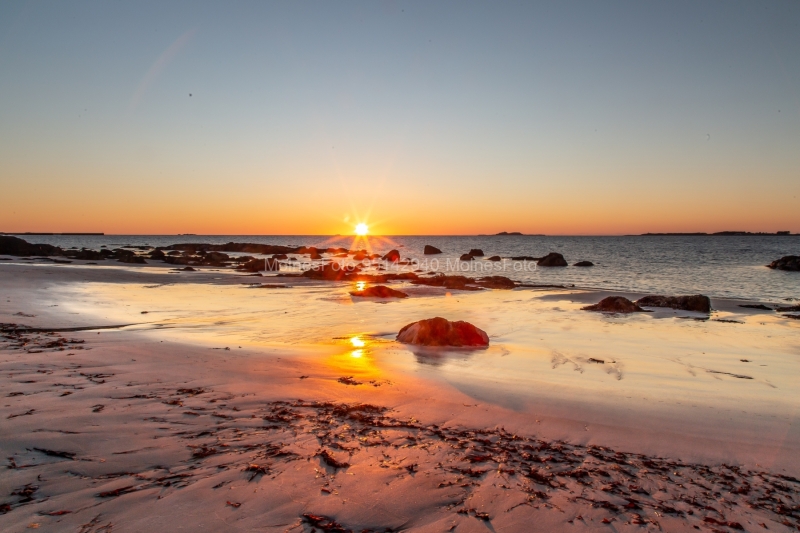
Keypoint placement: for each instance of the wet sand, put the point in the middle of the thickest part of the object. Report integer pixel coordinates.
(570, 420)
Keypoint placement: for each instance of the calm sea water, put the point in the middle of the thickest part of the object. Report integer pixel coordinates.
(731, 267)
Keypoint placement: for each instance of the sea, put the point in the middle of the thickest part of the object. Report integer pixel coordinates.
(717, 266)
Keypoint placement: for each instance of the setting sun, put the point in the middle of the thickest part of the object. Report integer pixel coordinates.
(361, 229)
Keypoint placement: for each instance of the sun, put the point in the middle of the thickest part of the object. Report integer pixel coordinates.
(362, 229)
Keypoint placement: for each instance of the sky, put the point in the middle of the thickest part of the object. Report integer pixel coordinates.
(445, 117)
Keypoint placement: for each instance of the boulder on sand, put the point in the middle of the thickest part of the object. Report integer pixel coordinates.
(441, 332)
(392, 255)
(787, 262)
(552, 259)
(584, 264)
(697, 303)
(379, 291)
(614, 304)
(430, 250)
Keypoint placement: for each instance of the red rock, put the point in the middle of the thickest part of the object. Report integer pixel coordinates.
(430, 250)
(379, 291)
(392, 255)
(614, 304)
(441, 332)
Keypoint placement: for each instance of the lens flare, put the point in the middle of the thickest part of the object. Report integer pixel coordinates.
(362, 229)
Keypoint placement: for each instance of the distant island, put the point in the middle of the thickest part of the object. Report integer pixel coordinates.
(719, 233)
(38, 233)
(520, 233)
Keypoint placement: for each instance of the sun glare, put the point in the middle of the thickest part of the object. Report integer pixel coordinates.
(361, 229)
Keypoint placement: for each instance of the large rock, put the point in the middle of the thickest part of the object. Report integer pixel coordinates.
(379, 291)
(552, 259)
(788, 262)
(495, 282)
(392, 256)
(476, 252)
(697, 303)
(584, 264)
(441, 332)
(257, 265)
(614, 304)
(15, 246)
(466, 257)
(430, 250)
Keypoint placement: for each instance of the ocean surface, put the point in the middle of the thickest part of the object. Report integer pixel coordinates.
(718, 266)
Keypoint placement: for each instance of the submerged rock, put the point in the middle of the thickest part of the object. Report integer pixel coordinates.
(257, 265)
(441, 332)
(466, 257)
(379, 291)
(584, 264)
(787, 262)
(614, 304)
(495, 258)
(431, 250)
(697, 303)
(552, 259)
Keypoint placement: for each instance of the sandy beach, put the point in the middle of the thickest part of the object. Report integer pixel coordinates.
(210, 406)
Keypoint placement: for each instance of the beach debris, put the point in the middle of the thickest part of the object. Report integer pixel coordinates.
(327, 525)
(614, 304)
(787, 262)
(552, 259)
(430, 250)
(379, 291)
(329, 459)
(56, 453)
(439, 331)
(235, 505)
(697, 303)
(257, 470)
(584, 264)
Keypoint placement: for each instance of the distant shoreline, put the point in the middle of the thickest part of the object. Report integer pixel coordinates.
(719, 234)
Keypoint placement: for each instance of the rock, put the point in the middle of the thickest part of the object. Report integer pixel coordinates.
(495, 282)
(19, 247)
(157, 254)
(495, 258)
(466, 257)
(135, 259)
(760, 307)
(788, 262)
(476, 252)
(332, 272)
(552, 259)
(214, 259)
(448, 282)
(584, 264)
(360, 256)
(525, 258)
(257, 265)
(280, 256)
(441, 332)
(379, 291)
(614, 304)
(392, 255)
(430, 250)
(187, 269)
(697, 303)
(788, 309)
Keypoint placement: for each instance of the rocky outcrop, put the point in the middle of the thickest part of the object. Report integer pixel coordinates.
(240, 247)
(584, 264)
(379, 291)
(441, 332)
(614, 304)
(430, 250)
(495, 282)
(476, 252)
(697, 303)
(466, 257)
(552, 259)
(332, 272)
(257, 265)
(392, 256)
(448, 282)
(787, 262)
(19, 247)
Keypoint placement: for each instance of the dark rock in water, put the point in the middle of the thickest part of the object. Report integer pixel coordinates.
(525, 258)
(448, 282)
(552, 259)
(280, 256)
(466, 257)
(85, 254)
(584, 264)
(187, 269)
(214, 259)
(19, 247)
(257, 265)
(392, 255)
(788, 309)
(157, 254)
(495, 282)
(337, 250)
(476, 252)
(332, 272)
(761, 307)
(312, 252)
(614, 304)
(135, 259)
(430, 250)
(441, 332)
(360, 255)
(495, 258)
(379, 291)
(795, 317)
(788, 262)
(697, 303)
